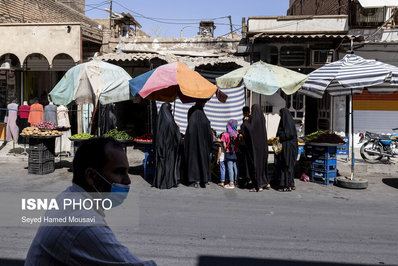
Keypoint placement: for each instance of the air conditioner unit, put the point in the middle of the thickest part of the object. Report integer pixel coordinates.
(369, 16)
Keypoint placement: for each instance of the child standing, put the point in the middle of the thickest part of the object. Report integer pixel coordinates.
(230, 144)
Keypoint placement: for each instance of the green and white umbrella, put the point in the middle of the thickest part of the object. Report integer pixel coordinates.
(263, 78)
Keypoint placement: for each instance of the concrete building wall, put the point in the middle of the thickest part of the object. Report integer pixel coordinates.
(46, 39)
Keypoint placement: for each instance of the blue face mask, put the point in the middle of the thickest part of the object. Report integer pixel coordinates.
(118, 192)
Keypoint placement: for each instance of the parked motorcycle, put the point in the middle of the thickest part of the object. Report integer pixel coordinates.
(376, 146)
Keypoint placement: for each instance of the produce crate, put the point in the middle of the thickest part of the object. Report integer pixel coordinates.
(41, 156)
(324, 152)
(41, 168)
(343, 149)
(324, 164)
(42, 144)
(323, 177)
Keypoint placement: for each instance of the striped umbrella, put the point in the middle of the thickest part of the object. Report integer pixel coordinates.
(351, 75)
(348, 76)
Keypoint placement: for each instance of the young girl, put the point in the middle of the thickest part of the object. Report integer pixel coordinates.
(230, 144)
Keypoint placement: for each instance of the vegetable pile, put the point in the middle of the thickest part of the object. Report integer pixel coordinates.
(322, 136)
(119, 135)
(145, 138)
(82, 136)
(35, 132)
(46, 125)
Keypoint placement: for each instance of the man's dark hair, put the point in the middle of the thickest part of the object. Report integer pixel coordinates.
(91, 154)
(246, 109)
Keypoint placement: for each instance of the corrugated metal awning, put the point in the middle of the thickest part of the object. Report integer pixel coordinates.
(190, 61)
(305, 36)
(378, 3)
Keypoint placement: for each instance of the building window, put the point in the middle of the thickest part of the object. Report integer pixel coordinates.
(292, 56)
(319, 57)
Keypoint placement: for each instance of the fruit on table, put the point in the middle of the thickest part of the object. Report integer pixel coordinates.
(34, 131)
(119, 135)
(145, 138)
(324, 137)
(46, 125)
(82, 136)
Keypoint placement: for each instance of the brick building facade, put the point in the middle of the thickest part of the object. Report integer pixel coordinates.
(318, 7)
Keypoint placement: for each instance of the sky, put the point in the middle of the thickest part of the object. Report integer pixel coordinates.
(160, 18)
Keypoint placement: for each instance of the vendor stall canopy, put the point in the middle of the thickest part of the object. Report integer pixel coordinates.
(90, 82)
(263, 78)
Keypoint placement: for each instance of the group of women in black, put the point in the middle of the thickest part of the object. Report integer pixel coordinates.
(193, 153)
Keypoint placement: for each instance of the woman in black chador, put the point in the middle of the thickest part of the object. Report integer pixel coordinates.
(198, 141)
(167, 141)
(287, 135)
(255, 136)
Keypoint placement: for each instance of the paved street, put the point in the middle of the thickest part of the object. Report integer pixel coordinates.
(215, 226)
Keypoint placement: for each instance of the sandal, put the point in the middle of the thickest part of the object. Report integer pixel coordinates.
(229, 186)
(293, 188)
(221, 184)
(252, 190)
(282, 189)
(260, 189)
(267, 187)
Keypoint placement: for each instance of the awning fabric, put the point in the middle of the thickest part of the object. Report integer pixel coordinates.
(218, 113)
(378, 3)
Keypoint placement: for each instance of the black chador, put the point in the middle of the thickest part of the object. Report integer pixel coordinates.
(197, 147)
(255, 136)
(287, 158)
(167, 156)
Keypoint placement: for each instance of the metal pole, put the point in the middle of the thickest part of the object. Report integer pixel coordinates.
(352, 136)
(110, 18)
(230, 24)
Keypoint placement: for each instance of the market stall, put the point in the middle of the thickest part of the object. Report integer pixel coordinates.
(41, 149)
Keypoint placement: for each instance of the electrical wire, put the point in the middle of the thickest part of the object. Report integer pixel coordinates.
(161, 20)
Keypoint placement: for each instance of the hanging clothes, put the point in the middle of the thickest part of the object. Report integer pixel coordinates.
(167, 144)
(50, 113)
(287, 134)
(87, 111)
(35, 114)
(255, 136)
(63, 122)
(108, 118)
(23, 114)
(12, 128)
(197, 147)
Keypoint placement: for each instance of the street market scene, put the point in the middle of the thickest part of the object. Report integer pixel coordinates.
(250, 133)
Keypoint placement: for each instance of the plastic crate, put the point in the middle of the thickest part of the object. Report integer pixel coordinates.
(41, 168)
(40, 156)
(42, 144)
(324, 164)
(323, 176)
(343, 149)
(324, 152)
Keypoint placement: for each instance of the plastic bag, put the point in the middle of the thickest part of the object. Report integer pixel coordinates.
(305, 178)
(276, 146)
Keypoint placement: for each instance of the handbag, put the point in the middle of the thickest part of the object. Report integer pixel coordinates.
(276, 146)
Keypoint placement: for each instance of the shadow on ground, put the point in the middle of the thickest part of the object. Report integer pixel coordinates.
(11, 262)
(237, 261)
(139, 170)
(392, 182)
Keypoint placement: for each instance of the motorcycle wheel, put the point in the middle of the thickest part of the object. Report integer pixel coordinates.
(369, 157)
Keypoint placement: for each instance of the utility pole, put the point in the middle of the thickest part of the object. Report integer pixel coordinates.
(230, 24)
(110, 17)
